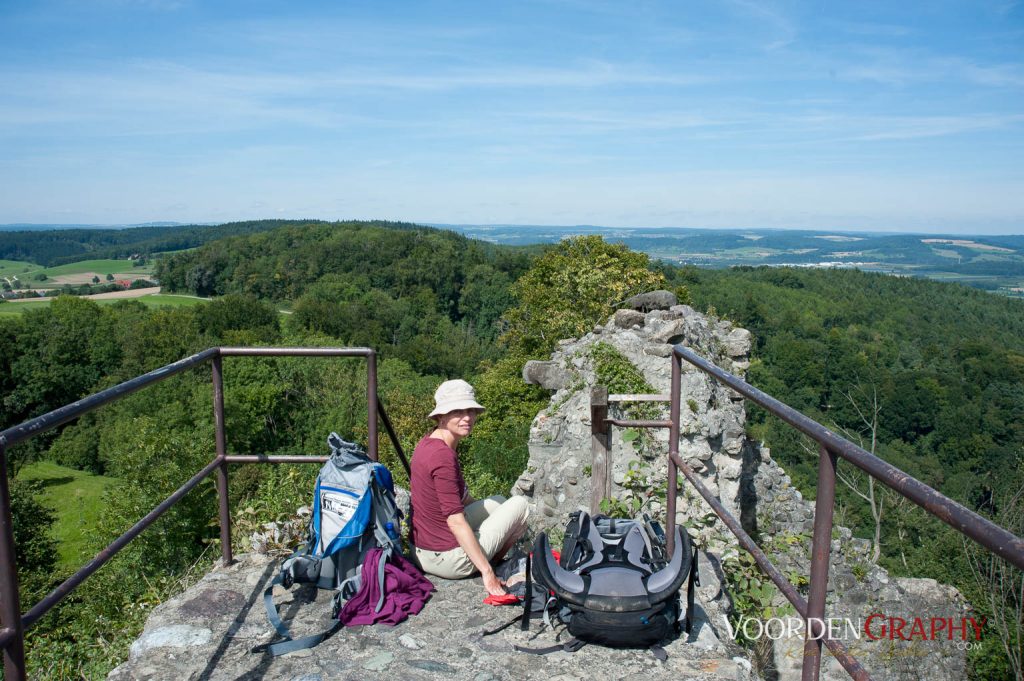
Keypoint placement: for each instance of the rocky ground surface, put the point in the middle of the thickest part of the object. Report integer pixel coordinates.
(215, 630)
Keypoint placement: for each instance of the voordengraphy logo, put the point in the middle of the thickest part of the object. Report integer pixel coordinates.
(877, 626)
(776, 628)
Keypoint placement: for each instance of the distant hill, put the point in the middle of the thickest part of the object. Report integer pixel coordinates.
(37, 227)
(49, 247)
(994, 263)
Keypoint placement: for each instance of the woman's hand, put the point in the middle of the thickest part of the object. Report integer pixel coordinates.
(459, 526)
(493, 584)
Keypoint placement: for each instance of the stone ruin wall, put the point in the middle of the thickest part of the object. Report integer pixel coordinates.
(741, 473)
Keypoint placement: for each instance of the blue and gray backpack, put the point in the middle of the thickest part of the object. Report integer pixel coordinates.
(354, 510)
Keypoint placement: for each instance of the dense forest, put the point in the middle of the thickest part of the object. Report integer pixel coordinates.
(61, 246)
(932, 374)
(928, 376)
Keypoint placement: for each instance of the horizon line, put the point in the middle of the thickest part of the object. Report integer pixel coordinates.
(45, 226)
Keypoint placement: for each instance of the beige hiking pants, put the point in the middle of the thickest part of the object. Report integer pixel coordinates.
(496, 522)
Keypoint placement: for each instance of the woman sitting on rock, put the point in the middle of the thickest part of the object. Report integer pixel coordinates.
(454, 535)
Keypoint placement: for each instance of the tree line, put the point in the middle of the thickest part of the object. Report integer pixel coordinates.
(62, 246)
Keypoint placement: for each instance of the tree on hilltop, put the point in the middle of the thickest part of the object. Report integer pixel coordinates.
(571, 288)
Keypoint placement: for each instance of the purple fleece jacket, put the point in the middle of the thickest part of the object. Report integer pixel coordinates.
(406, 591)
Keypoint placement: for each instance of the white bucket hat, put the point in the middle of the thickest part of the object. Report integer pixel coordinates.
(453, 395)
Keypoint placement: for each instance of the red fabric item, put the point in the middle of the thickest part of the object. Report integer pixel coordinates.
(509, 599)
(554, 552)
(504, 599)
(437, 489)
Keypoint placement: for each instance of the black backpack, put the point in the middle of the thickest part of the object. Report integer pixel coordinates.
(615, 584)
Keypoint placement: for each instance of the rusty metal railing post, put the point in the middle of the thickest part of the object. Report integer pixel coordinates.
(222, 452)
(371, 405)
(821, 545)
(600, 465)
(10, 603)
(673, 453)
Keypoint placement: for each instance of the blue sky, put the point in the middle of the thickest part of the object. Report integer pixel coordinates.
(837, 115)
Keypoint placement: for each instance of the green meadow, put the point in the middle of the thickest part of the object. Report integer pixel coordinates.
(27, 271)
(98, 266)
(77, 499)
(9, 308)
(17, 267)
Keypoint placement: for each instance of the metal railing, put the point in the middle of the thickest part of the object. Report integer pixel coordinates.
(12, 622)
(994, 538)
(831, 448)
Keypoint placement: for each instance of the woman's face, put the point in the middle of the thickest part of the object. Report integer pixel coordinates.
(459, 422)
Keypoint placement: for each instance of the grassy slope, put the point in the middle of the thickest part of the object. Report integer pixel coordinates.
(27, 270)
(98, 266)
(18, 267)
(152, 300)
(76, 497)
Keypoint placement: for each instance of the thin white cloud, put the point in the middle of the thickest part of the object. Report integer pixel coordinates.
(917, 127)
(589, 74)
(904, 67)
(872, 29)
(782, 29)
(997, 75)
(156, 5)
(591, 122)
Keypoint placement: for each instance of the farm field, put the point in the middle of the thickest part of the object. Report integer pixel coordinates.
(17, 267)
(74, 273)
(77, 498)
(12, 308)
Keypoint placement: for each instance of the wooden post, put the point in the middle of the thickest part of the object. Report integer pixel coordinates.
(600, 470)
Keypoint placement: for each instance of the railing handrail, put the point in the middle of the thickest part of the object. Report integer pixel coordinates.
(40, 424)
(12, 629)
(992, 537)
(996, 539)
(50, 420)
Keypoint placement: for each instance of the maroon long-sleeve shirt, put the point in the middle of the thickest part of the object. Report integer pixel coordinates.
(437, 489)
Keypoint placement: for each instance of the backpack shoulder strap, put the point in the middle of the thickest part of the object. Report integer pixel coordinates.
(292, 644)
(648, 545)
(570, 646)
(385, 512)
(694, 580)
(528, 597)
(382, 563)
(289, 644)
(572, 538)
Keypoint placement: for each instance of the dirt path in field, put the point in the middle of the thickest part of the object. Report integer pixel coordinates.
(130, 293)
